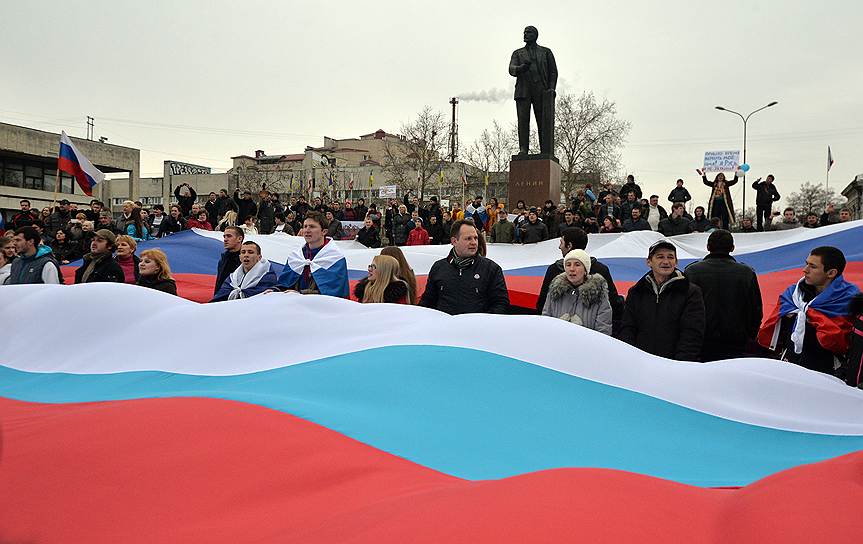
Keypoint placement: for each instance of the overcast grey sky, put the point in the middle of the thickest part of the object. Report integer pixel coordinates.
(202, 81)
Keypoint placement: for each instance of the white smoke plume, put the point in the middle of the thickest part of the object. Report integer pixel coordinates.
(488, 95)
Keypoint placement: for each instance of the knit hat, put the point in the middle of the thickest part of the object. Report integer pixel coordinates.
(579, 255)
(106, 234)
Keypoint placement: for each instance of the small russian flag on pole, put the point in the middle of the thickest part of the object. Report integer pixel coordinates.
(74, 163)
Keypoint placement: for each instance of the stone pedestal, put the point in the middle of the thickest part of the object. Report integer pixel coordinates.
(534, 179)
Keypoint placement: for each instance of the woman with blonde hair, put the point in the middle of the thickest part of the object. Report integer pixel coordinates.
(126, 258)
(230, 220)
(406, 273)
(383, 283)
(155, 273)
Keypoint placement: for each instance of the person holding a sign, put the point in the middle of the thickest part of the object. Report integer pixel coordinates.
(719, 204)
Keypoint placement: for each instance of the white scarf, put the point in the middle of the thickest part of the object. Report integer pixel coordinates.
(799, 330)
(241, 280)
(326, 257)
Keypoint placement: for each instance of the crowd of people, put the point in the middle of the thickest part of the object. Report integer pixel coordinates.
(711, 310)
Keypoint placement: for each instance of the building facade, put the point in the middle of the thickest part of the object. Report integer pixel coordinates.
(28, 168)
(854, 193)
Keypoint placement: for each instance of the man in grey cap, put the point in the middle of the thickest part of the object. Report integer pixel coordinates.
(99, 265)
(664, 312)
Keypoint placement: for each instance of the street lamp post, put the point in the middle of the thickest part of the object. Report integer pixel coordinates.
(745, 120)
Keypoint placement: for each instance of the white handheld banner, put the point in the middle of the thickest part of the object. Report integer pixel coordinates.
(721, 161)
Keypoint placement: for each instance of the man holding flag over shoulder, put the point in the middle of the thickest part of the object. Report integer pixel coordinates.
(318, 267)
(74, 163)
(811, 326)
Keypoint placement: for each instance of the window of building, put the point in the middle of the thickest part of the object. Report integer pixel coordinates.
(33, 177)
(67, 183)
(50, 180)
(13, 174)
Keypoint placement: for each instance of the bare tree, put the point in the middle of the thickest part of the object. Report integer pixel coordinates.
(812, 197)
(588, 137)
(275, 179)
(415, 159)
(492, 151)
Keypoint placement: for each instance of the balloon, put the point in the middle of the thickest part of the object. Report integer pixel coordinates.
(744, 167)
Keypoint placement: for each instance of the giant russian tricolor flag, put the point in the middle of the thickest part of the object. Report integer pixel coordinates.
(74, 163)
(777, 257)
(286, 418)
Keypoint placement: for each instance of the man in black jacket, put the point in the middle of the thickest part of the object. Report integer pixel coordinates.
(230, 259)
(534, 230)
(224, 204)
(765, 195)
(99, 265)
(732, 299)
(679, 193)
(609, 208)
(465, 282)
(676, 223)
(664, 312)
(24, 218)
(576, 238)
(630, 186)
(369, 235)
(435, 230)
(246, 207)
(635, 222)
(361, 209)
(185, 197)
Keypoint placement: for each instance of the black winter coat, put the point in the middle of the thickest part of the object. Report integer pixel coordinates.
(395, 293)
(479, 288)
(679, 194)
(245, 208)
(369, 237)
(436, 234)
(674, 226)
(185, 202)
(166, 286)
(212, 211)
(630, 188)
(668, 323)
(631, 226)
(732, 304)
(699, 225)
(400, 229)
(228, 262)
(765, 194)
(170, 225)
(106, 270)
(532, 233)
(267, 217)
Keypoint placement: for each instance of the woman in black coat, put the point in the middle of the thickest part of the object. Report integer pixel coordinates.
(155, 273)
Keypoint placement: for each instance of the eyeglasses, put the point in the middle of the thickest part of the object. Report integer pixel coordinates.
(372, 267)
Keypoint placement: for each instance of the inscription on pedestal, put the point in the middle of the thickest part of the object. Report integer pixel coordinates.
(534, 181)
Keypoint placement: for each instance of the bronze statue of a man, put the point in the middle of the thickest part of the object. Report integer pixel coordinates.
(535, 71)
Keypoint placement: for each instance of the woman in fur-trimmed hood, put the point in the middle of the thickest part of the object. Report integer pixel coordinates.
(579, 297)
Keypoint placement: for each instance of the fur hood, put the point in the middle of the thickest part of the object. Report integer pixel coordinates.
(590, 291)
(395, 291)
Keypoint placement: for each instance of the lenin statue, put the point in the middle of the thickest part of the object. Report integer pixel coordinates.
(535, 71)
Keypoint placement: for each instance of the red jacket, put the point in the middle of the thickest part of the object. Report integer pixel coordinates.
(418, 237)
(195, 224)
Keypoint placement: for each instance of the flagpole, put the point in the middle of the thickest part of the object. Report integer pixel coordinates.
(827, 177)
(56, 185)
